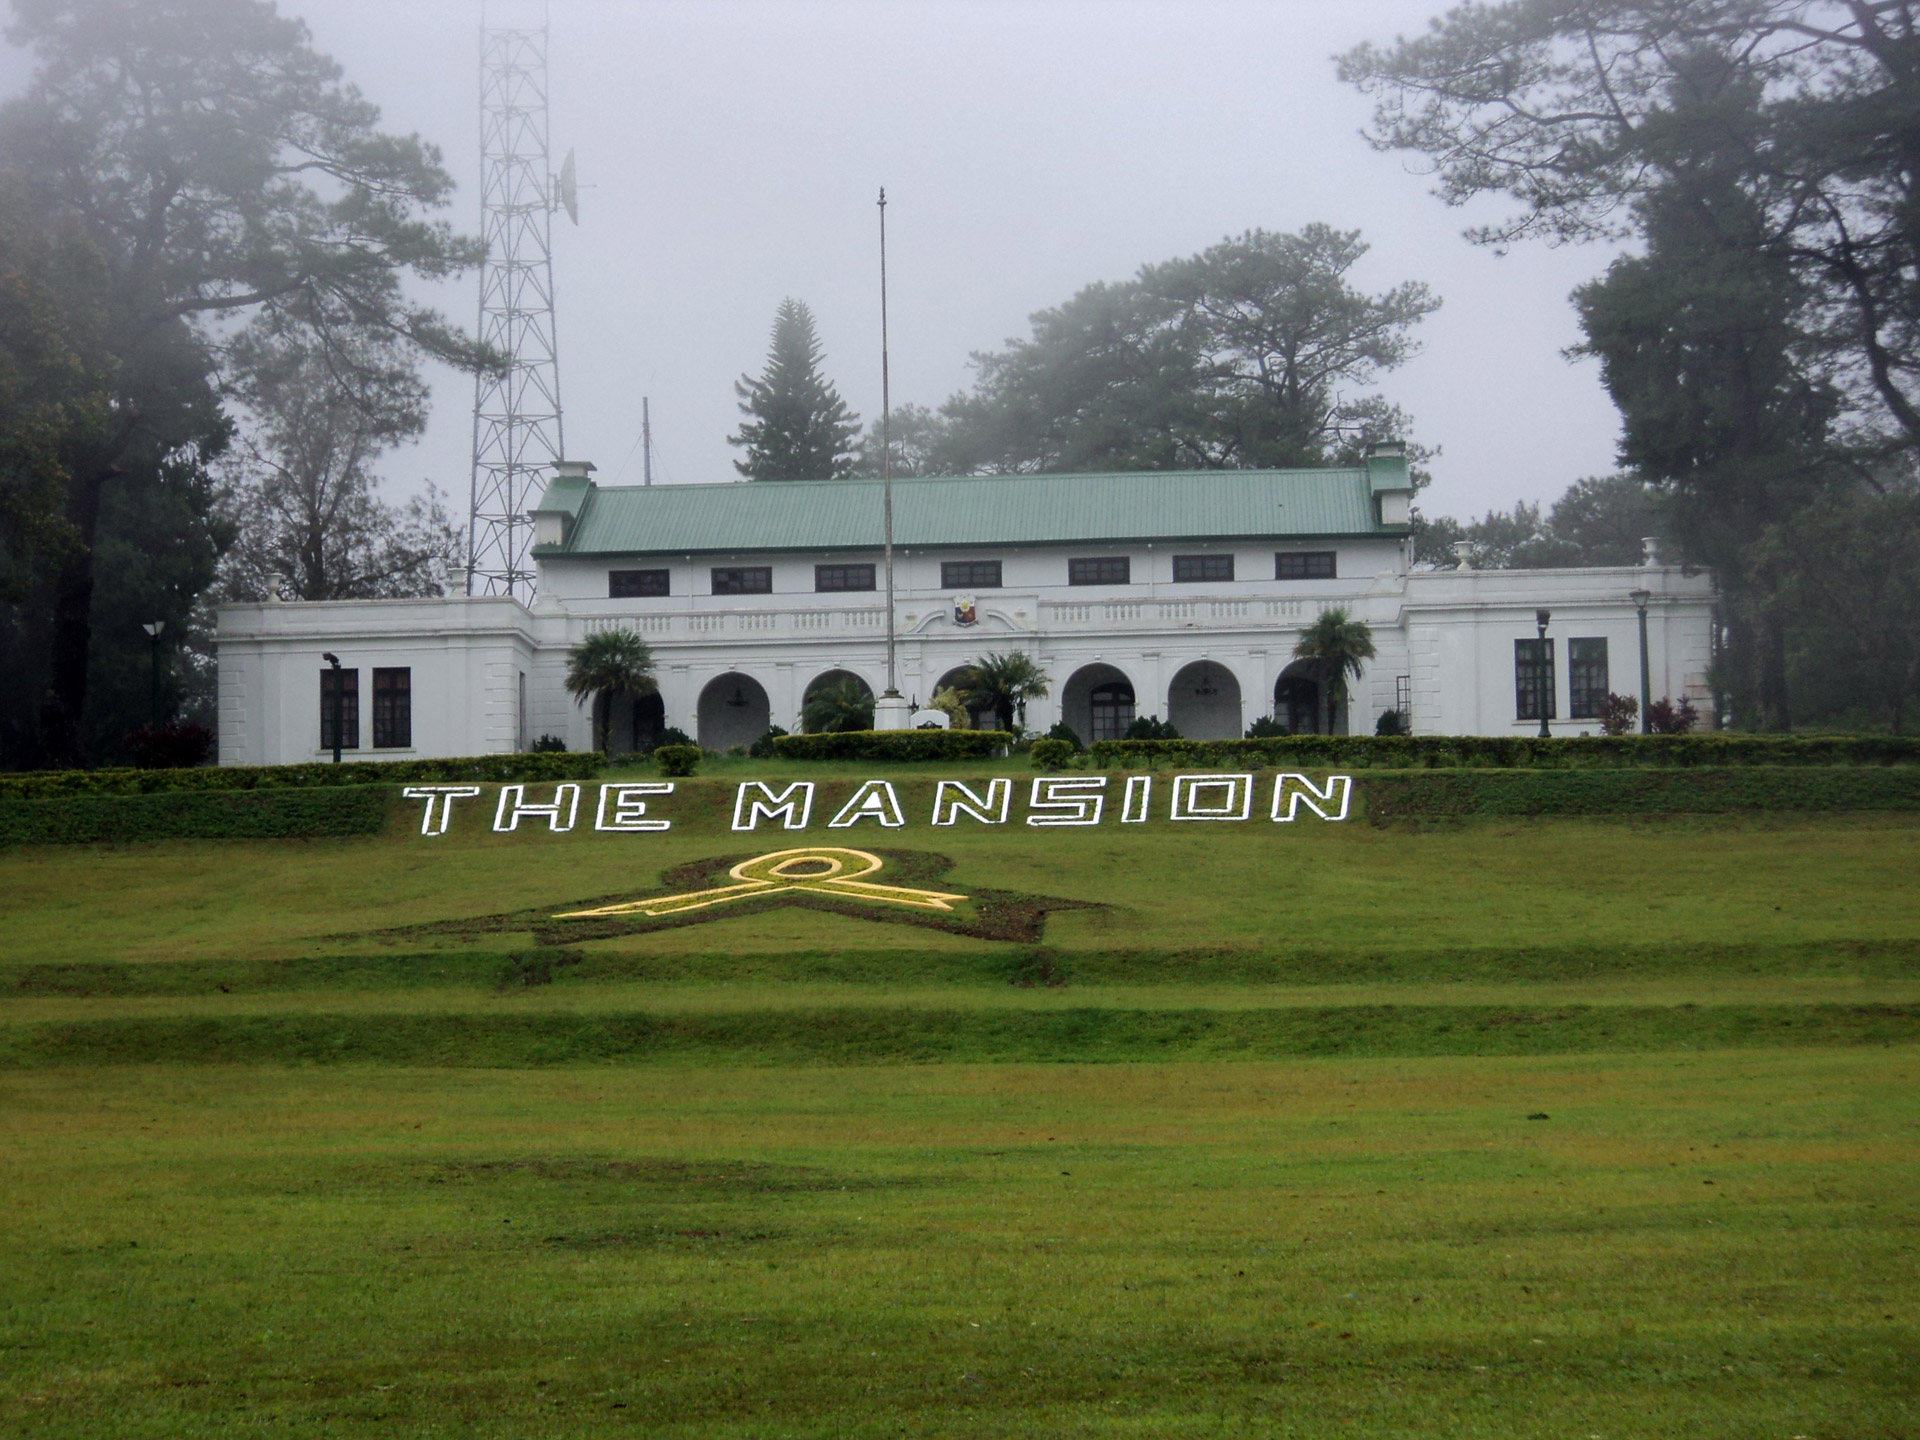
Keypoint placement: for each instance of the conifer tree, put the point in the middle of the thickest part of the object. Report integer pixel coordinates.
(797, 426)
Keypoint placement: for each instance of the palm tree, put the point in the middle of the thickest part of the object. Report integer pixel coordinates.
(606, 664)
(1003, 683)
(846, 704)
(1336, 644)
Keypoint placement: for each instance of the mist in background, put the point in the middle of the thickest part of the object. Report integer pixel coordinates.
(729, 156)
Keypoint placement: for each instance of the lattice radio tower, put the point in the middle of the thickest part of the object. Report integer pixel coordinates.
(517, 431)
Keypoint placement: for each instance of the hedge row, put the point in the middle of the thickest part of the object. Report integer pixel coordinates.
(484, 768)
(893, 745)
(1459, 794)
(1448, 752)
(266, 814)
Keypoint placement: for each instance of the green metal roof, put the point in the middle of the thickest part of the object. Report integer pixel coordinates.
(971, 511)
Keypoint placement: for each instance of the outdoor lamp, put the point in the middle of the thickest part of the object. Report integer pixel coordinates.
(1640, 599)
(1543, 673)
(339, 702)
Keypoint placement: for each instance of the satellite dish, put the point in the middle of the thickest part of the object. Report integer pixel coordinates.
(569, 189)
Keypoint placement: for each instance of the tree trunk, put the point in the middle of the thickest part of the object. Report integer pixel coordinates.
(62, 712)
(1771, 634)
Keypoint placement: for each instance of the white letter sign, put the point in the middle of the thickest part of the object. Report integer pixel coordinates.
(1297, 790)
(1211, 797)
(1133, 809)
(791, 807)
(874, 800)
(513, 805)
(951, 800)
(442, 798)
(1067, 800)
(627, 808)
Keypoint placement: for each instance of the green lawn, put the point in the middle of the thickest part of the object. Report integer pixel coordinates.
(1542, 1128)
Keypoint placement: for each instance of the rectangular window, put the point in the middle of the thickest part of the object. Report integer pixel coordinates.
(969, 574)
(744, 580)
(348, 682)
(842, 577)
(393, 709)
(1191, 569)
(637, 584)
(1101, 570)
(1533, 684)
(1586, 679)
(1304, 565)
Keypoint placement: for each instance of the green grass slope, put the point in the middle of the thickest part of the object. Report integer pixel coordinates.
(1497, 1126)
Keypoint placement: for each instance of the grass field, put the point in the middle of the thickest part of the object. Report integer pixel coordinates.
(1530, 1128)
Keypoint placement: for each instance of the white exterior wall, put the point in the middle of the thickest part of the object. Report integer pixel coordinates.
(1450, 632)
(466, 656)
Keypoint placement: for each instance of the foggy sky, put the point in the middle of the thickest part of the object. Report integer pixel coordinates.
(729, 155)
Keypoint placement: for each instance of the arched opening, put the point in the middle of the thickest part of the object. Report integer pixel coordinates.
(956, 679)
(1297, 701)
(1097, 703)
(833, 679)
(733, 711)
(1203, 703)
(649, 719)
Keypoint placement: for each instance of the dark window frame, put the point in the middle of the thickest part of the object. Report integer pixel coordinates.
(965, 574)
(393, 707)
(1309, 564)
(1197, 566)
(639, 584)
(738, 582)
(1588, 679)
(349, 683)
(1119, 714)
(1532, 678)
(848, 574)
(1100, 570)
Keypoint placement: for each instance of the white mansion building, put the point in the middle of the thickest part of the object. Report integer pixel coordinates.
(1176, 595)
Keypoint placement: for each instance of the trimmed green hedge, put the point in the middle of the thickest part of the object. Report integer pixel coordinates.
(266, 814)
(1460, 794)
(493, 769)
(893, 745)
(1500, 752)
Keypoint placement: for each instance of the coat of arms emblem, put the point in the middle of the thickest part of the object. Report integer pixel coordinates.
(965, 610)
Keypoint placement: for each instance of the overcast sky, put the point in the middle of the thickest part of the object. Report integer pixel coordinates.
(729, 155)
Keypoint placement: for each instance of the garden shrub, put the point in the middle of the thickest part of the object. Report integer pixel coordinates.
(762, 749)
(1151, 727)
(1051, 754)
(549, 745)
(676, 760)
(1464, 794)
(893, 745)
(1060, 730)
(263, 814)
(494, 769)
(1413, 752)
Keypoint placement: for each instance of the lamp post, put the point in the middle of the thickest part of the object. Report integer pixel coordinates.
(153, 629)
(339, 702)
(1543, 673)
(1640, 599)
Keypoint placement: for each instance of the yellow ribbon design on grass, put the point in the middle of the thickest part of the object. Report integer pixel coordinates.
(820, 869)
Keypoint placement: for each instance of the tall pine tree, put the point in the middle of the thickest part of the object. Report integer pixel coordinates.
(797, 426)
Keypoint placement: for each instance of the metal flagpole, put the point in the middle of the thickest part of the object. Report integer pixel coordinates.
(886, 461)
